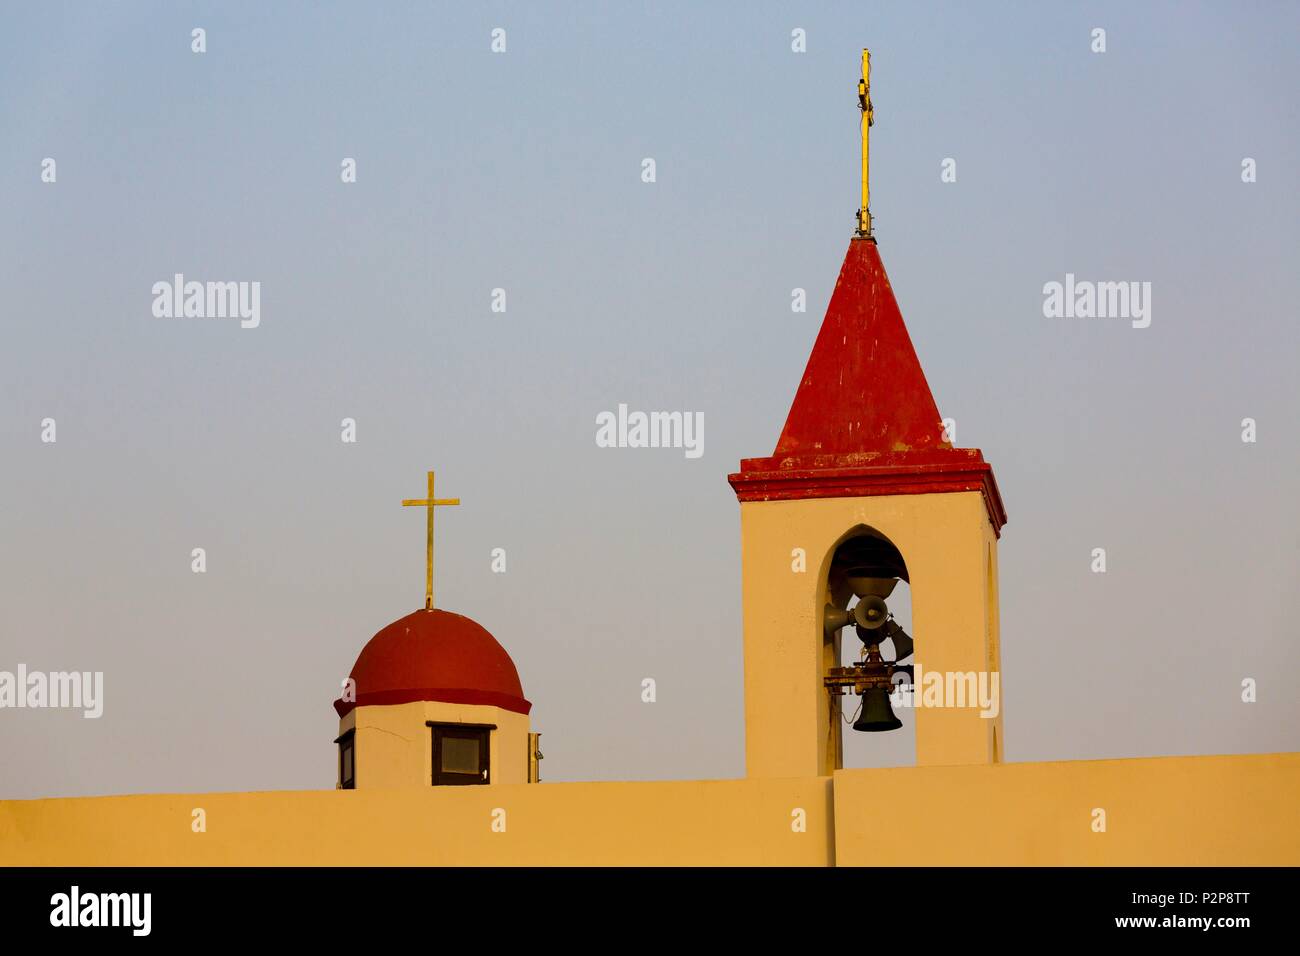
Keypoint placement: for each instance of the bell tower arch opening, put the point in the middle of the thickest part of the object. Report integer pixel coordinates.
(867, 644)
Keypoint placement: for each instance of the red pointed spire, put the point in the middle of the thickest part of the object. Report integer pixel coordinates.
(863, 421)
(863, 389)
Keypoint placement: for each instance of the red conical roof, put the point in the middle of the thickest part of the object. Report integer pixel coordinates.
(863, 421)
(863, 389)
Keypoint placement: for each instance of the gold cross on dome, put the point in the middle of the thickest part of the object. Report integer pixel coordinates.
(430, 503)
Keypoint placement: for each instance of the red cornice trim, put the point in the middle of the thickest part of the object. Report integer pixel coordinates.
(446, 695)
(773, 479)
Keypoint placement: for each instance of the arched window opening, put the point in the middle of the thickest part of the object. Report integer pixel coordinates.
(868, 629)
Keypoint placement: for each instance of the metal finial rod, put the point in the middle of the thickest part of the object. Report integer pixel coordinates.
(868, 118)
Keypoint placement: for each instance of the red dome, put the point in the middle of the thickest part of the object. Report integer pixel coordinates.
(435, 655)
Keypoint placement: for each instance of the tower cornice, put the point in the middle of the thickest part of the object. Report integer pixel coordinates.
(941, 471)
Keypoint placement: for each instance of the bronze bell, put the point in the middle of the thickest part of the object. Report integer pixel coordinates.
(876, 713)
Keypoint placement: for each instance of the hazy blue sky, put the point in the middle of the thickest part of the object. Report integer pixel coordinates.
(522, 171)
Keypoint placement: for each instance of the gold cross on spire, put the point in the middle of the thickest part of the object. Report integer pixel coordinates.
(868, 118)
(430, 503)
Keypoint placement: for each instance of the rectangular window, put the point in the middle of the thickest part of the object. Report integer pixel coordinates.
(347, 761)
(460, 754)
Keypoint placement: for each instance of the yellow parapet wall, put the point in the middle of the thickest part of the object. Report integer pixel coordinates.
(674, 823)
(1160, 811)
(1240, 810)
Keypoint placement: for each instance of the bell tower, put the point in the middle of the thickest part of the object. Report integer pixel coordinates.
(863, 490)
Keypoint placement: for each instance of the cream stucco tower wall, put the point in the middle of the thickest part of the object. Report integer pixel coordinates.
(394, 743)
(950, 547)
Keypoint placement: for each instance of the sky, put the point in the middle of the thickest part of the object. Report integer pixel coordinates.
(523, 171)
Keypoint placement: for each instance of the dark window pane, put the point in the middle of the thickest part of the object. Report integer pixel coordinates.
(460, 755)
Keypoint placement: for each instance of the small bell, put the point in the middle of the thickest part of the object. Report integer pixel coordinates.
(876, 715)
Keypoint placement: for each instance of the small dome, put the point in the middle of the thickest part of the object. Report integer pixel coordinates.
(435, 655)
